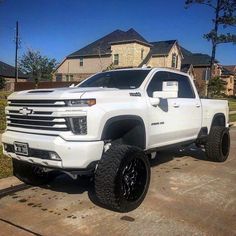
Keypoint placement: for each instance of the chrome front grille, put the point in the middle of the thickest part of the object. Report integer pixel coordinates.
(36, 114)
(37, 103)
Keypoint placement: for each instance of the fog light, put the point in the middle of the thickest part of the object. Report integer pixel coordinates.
(5, 146)
(54, 156)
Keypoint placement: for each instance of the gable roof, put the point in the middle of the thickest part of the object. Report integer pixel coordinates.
(102, 46)
(161, 48)
(9, 71)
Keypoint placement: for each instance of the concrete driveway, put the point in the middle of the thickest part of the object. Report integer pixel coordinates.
(188, 196)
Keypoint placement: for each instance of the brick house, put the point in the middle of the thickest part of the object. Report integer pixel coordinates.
(119, 49)
(128, 49)
(8, 72)
(228, 75)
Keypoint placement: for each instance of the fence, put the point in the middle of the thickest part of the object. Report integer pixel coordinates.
(42, 85)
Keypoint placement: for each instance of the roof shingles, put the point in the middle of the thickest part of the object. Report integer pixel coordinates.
(162, 47)
(8, 71)
(102, 46)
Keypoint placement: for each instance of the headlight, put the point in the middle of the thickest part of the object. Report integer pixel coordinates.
(79, 125)
(82, 102)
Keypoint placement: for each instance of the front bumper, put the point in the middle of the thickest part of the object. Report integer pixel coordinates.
(73, 154)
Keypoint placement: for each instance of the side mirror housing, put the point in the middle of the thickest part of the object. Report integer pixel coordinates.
(155, 101)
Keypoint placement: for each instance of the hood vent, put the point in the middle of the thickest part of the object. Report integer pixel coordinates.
(41, 91)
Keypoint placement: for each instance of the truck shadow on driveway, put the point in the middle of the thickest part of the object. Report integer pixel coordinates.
(170, 154)
(65, 184)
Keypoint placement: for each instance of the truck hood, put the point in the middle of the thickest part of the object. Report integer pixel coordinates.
(58, 93)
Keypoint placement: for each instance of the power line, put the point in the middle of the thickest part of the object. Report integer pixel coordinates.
(16, 51)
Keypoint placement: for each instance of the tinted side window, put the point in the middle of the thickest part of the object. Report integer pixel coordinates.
(156, 82)
(185, 88)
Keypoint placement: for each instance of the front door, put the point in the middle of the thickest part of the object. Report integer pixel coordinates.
(174, 120)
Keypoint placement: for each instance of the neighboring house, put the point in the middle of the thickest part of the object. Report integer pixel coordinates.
(8, 72)
(188, 68)
(128, 49)
(119, 49)
(200, 63)
(228, 75)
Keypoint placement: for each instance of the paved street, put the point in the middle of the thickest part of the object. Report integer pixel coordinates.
(188, 196)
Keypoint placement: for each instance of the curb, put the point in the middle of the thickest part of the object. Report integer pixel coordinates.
(9, 182)
(13, 189)
(11, 185)
(232, 124)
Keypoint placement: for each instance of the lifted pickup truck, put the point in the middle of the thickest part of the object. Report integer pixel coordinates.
(107, 126)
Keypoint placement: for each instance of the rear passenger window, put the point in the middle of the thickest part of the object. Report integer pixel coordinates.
(185, 87)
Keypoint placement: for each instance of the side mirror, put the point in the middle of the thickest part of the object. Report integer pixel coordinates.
(155, 101)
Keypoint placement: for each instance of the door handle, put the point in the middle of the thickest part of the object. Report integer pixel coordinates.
(175, 105)
(198, 105)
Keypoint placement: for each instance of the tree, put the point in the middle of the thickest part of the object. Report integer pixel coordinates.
(37, 66)
(2, 82)
(216, 87)
(225, 15)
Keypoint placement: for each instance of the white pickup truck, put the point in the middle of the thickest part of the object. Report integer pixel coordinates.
(107, 126)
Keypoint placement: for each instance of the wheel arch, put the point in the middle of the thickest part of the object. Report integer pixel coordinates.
(125, 129)
(218, 120)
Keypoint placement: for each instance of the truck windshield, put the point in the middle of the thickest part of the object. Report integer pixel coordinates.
(123, 79)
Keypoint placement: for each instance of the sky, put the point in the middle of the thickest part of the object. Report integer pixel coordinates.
(57, 28)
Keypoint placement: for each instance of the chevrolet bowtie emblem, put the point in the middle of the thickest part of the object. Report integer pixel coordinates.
(25, 111)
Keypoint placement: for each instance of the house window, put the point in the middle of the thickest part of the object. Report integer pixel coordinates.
(174, 62)
(81, 61)
(67, 78)
(142, 54)
(58, 78)
(116, 59)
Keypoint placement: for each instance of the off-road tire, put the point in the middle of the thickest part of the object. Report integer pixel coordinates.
(218, 144)
(31, 174)
(112, 178)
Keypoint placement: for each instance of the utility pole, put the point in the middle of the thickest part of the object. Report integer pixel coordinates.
(16, 52)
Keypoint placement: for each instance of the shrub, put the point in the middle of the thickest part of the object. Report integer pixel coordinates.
(2, 82)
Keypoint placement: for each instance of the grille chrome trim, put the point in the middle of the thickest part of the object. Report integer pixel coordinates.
(37, 103)
(42, 115)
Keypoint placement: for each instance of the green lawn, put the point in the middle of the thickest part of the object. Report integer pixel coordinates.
(5, 162)
(232, 118)
(5, 165)
(232, 104)
(3, 103)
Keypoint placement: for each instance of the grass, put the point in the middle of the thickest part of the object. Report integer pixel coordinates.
(232, 104)
(5, 165)
(3, 103)
(5, 162)
(232, 118)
